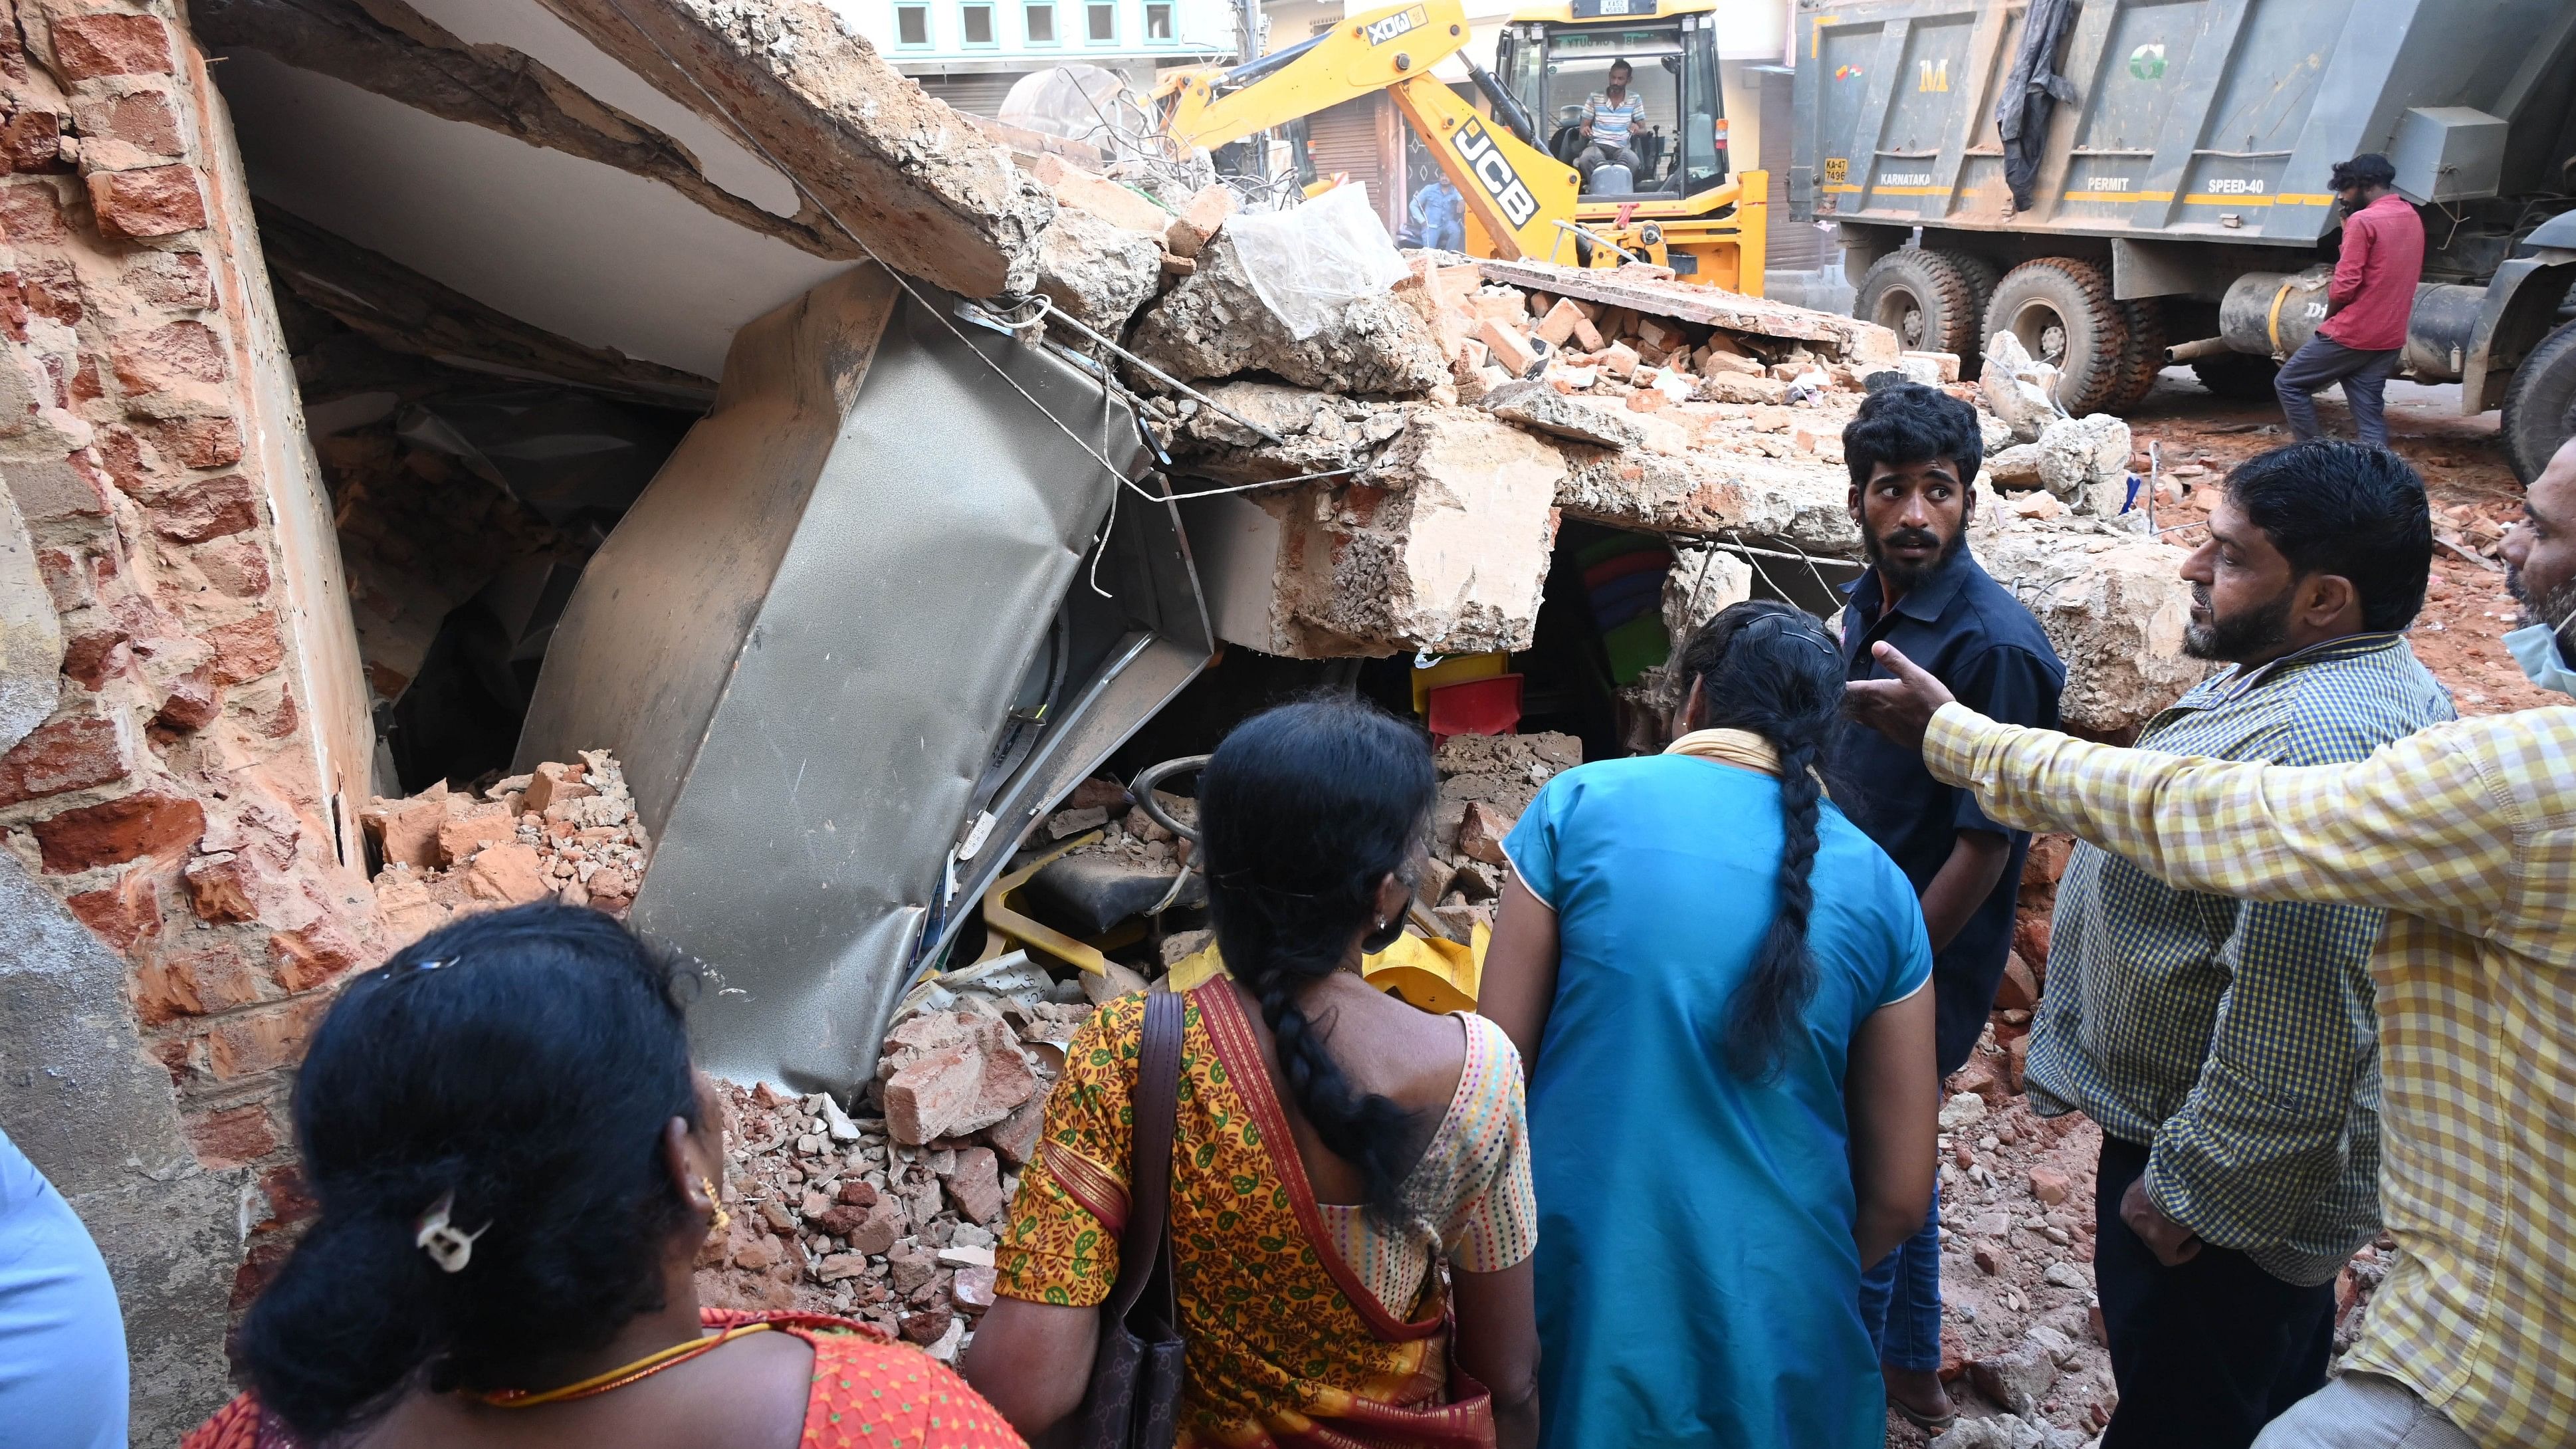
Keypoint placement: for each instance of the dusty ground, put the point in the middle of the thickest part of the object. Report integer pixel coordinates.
(1989, 1206)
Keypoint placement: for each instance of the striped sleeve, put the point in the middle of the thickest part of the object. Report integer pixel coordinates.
(1496, 1223)
(2417, 827)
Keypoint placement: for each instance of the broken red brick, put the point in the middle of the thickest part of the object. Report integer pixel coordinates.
(89, 46)
(1481, 832)
(212, 442)
(263, 1041)
(152, 201)
(148, 823)
(975, 1185)
(2049, 1185)
(310, 956)
(1511, 349)
(233, 1137)
(246, 648)
(192, 702)
(172, 279)
(2019, 989)
(1015, 1138)
(123, 914)
(229, 886)
(508, 874)
(459, 839)
(167, 356)
(1559, 323)
(144, 120)
(206, 509)
(65, 754)
(194, 983)
(33, 140)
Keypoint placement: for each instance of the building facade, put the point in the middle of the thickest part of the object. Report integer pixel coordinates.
(968, 52)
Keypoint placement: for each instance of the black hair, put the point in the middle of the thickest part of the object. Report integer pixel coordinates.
(1623, 60)
(1772, 669)
(525, 1062)
(1911, 423)
(2344, 508)
(2367, 169)
(1304, 809)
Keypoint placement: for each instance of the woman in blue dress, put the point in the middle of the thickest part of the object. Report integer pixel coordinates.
(1719, 983)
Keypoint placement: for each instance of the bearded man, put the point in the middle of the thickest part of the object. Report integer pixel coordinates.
(1913, 453)
(2228, 1048)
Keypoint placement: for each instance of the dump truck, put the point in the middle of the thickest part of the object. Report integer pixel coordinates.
(1513, 161)
(2173, 203)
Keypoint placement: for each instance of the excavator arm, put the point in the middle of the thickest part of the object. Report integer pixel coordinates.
(1517, 193)
(1520, 195)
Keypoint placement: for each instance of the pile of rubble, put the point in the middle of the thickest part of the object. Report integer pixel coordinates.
(565, 831)
(1425, 440)
(889, 1211)
(891, 1216)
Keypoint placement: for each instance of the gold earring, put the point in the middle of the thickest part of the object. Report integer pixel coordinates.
(722, 1220)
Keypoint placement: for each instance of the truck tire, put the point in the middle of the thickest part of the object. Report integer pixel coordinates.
(2144, 319)
(2062, 311)
(1926, 298)
(2540, 404)
(2238, 376)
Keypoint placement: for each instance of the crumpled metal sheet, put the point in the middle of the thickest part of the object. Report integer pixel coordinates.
(852, 618)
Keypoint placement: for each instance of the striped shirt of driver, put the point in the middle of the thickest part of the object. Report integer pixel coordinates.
(2465, 833)
(2235, 1041)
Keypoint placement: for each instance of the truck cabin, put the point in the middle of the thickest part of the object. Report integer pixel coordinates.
(1553, 65)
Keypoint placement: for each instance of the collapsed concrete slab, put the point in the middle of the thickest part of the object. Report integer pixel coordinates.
(1096, 270)
(1213, 324)
(1440, 542)
(925, 190)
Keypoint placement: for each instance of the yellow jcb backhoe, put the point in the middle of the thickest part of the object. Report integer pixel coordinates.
(1682, 208)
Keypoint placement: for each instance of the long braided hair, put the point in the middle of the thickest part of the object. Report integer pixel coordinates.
(1304, 810)
(1772, 669)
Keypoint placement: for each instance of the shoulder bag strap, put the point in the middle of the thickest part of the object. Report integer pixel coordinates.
(1149, 1167)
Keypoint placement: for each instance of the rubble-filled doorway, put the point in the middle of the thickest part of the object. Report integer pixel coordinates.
(466, 498)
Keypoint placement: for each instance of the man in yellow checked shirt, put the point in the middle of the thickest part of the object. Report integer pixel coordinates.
(2466, 834)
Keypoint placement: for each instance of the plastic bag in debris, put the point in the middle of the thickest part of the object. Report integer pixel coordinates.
(1078, 102)
(2021, 391)
(1310, 263)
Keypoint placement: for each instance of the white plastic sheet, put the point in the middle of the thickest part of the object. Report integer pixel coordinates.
(1077, 102)
(1310, 263)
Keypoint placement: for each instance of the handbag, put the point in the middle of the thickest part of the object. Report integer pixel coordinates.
(1134, 1401)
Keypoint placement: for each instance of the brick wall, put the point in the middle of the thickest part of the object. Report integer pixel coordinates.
(189, 800)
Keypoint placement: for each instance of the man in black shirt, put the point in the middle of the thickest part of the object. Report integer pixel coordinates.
(1913, 452)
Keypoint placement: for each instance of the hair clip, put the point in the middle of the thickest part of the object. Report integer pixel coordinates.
(449, 1248)
(434, 965)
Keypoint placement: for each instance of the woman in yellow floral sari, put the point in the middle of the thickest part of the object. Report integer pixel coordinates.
(1351, 1214)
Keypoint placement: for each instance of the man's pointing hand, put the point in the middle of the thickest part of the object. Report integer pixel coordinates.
(1898, 708)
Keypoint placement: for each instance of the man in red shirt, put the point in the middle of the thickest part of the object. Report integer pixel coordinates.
(2366, 305)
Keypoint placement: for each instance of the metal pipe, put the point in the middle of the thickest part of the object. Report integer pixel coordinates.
(2273, 314)
(2205, 347)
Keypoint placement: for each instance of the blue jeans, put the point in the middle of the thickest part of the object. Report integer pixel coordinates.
(1900, 1299)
